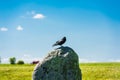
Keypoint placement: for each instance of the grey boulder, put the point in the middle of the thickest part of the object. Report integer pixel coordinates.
(60, 64)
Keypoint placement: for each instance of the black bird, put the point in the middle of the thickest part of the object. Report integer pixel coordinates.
(60, 42)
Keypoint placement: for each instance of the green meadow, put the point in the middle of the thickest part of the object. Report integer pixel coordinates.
(100, 71)
(90, 71)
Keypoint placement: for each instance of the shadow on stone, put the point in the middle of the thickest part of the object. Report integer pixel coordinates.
(60, 64)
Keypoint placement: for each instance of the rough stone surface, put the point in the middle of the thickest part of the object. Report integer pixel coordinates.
(60, 64)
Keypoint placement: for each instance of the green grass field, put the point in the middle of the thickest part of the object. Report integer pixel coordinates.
(100, 71)
(90, 71)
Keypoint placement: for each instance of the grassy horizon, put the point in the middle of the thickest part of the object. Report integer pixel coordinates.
(90, 71)
(100, 71)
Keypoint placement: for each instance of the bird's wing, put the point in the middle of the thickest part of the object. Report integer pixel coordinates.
(56, 43)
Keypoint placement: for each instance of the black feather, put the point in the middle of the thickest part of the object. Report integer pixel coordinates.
(60, 42)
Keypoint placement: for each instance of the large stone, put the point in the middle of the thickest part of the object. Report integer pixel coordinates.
(60, 64)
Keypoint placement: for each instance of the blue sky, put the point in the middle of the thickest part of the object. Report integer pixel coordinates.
(28, 28)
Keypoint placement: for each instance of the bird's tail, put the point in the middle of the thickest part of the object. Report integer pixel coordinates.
(54, 45)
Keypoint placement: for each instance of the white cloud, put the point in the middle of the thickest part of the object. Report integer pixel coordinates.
(86, 61)
(38, 16)
(93, 61)
(5, 60)
(19, 28)
(27, 58)
(33, 14)
(114, 60)
(3, 29)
